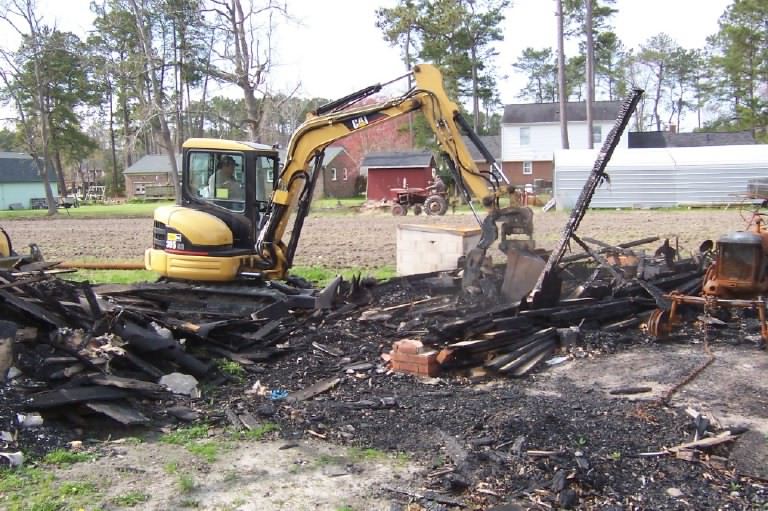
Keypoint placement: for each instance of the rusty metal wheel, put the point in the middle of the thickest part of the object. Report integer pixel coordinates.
(658, 323)
(399, 210)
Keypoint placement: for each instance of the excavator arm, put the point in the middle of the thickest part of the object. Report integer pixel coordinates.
(341, 118)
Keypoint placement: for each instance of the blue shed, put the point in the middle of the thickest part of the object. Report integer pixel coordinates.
(20, 181)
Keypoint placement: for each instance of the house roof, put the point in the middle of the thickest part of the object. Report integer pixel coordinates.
(332, 152)
(398, 160)
(492, 142)
(153, 164)
(531, 113)
(21, 168)
(649, 139)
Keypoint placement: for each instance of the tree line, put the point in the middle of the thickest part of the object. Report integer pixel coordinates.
(723, 84)
(150, 73)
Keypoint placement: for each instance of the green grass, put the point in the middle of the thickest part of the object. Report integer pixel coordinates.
(111, 276)
(358, 454)
(186, 483)
(132, 210)
(209, 451)
(64, 457)
(321, 276)
(171, 467)
(183, 436)
(32, 489)
(318, 275)
(131, 499)
(231, 368)
(259, 432)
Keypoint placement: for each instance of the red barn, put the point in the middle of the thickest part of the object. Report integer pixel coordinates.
(386, 171)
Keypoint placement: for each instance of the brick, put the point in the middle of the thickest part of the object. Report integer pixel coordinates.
(409, 346)
(444, 356)
(402, 367)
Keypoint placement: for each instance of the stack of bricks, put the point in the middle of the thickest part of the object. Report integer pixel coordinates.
(410, 356)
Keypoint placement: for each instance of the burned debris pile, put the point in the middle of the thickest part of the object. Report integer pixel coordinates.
(111, 350)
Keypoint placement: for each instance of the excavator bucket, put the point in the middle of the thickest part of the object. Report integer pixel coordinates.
(522, 271)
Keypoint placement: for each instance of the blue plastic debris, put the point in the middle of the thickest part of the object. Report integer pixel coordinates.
(277, 395)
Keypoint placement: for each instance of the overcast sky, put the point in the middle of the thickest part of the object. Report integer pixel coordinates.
(337, 48)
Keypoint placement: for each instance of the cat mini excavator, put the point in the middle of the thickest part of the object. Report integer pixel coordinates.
(220, 233)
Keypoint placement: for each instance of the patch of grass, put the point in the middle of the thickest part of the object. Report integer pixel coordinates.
(189, 503)
(259, 432)
(33, 489)
(171, 467)
(111, 276)
(231, 368)
(357, 454)
(183, 436)
(615, 456)
(131, 499)
(321, 276)
(132, 210)
(64, 457)
(77, 488)
(209, 451)
(186, 483)
(345, 508)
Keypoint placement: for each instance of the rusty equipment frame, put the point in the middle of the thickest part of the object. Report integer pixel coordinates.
(661, 322)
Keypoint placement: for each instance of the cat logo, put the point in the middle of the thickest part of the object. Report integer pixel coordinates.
(360, 122)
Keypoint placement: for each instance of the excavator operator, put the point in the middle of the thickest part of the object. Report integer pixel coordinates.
(224, 183)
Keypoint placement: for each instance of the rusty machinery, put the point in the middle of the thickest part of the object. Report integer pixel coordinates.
(737, 278)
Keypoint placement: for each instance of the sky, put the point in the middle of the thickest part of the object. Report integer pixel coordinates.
(334, 47)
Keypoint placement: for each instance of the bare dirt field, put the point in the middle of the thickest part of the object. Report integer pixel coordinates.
(367, 239)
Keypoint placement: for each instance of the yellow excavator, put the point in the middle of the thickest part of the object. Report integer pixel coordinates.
(237, 201)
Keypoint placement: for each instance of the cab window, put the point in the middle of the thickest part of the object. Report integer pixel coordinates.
(218, 177)
(265, 168)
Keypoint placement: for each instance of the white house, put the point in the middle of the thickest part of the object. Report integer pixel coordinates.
(530, 135)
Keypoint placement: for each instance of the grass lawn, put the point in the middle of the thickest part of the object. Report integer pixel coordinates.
(316, 274)
(127, 210)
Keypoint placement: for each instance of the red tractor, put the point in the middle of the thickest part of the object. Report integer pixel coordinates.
(432, 199)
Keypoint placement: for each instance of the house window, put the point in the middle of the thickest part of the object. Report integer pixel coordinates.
(333, 175)
(346, 174)
(597, 134)
(527, 168)
(525, 135)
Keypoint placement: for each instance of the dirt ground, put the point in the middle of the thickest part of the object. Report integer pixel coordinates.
(552, 408)
(248, 476)
(367, 240)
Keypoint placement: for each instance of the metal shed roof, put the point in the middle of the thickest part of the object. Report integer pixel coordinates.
(649, 139)
(21, 168)
(399, 159)
(531, 113)
(153, 164)
(666, 177)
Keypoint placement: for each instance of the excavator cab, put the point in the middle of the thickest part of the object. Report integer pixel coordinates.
(226, 187)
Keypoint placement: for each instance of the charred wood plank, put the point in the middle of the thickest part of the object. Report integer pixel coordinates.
(32, 309)
(314, 390)
(524, 346)
(129, 384)
(119, 412)
(68, 396)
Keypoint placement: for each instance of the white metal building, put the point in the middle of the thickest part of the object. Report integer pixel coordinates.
(666, 177)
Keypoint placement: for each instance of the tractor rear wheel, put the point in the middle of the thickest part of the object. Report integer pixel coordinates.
(436, 205)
